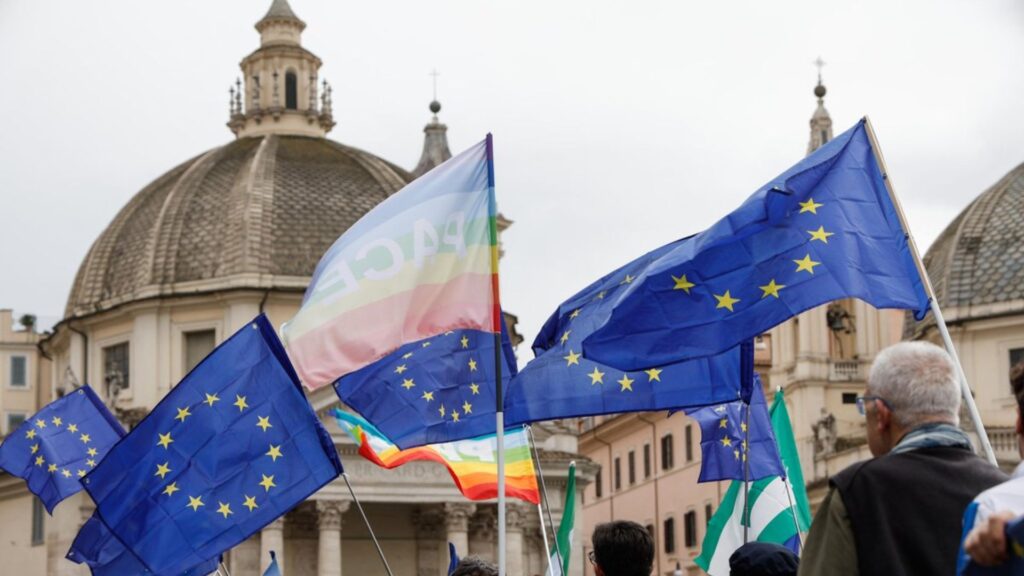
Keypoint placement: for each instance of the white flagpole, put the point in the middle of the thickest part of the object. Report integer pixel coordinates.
(499, 415)
(965, 388)
(544, 534)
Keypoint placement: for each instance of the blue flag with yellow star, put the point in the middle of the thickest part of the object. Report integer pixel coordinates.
(60, 444)
(729, 440)
(229, 449)
(563, 382)
(105, 555)
(825, 229)
(431, 391)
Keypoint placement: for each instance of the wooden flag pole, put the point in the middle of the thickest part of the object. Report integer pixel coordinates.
(965, 388)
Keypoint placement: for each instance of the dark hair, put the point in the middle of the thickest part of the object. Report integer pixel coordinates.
(623, 548)
(473, 566)
(1017, 384)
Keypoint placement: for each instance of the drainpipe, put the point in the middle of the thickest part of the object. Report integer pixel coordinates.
(266, 294)
(654, 464)
(85, 352)
(610, 482)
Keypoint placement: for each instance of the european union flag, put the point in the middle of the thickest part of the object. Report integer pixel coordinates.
(105, 555)
(431, 391)
(825, 229)
(563, 382)
(232, 447)
(60, 444)
(728, 440)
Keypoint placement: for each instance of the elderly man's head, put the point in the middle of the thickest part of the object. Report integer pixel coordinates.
(911, 383)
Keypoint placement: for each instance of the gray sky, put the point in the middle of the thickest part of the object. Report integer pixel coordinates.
(618, 126)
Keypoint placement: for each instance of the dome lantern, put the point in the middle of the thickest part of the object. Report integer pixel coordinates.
(821, 121)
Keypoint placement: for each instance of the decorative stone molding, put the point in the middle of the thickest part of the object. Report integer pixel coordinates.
(329, 513)
(516, 516)
(429, 522)
(457, 514)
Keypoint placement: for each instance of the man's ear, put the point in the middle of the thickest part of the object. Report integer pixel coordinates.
(883, 416)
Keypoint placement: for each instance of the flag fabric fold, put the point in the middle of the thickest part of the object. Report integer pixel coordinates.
(825, 229)
(419, 264)
(60, 444)
(97, 547)
(229, 449)
(473, 463)
(771, 517)
(724, 438)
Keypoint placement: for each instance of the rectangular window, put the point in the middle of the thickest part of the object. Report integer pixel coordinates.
(1016, 356)
(849, 397)
(19, 369)
(115, 368)
(38, 517)
(14, 420)
(198, 345)
(647, 460)
(631, 461)
(669, 534)
(666, 452)
(689, 443)
(597, 485)
(690, 529)
(707, 514)
(618, 473)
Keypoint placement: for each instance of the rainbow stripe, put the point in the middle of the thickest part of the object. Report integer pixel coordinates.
(473, 464)
(420, 263)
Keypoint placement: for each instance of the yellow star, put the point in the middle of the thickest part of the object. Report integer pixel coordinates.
(455, 416)
(51, 468)
(401, 368)
(408, 383)
(41, 423)
(407, 355)
(474, 388)
(182, 414)
(263, 422)
(275, 452)
(820, 234)
(91, 463)
(572, 358)
(195, 502)
(596, 377)
(626, 382)
(726, 441)
(35, 448)
(267, 482)
(81, 473)
(472, 365)
(1018, 550)
(162, 470)
(736, 454)
(682, 284)
(810, 206)
(165, 440)
(211, 398)
(427, 343)
(250, 503)
(574, 314)
(428, 396)
(725, 301)
(91, 451)
(65, 473)
(600, 295)
(465, 342)
(240, 402)
(771, 289)
(723, 423)
(30, 434)
(57, 421)
(85, 438)
(73, 428)
(806, 264)
(40, 460)
(441, 410)
(467, 407)
(627, 280)
(653, 374)
(224, 509)
(171, 489)
(743, 428)
(565, 336)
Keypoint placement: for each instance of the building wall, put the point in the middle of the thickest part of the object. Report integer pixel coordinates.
(20, 344)
(17, 551)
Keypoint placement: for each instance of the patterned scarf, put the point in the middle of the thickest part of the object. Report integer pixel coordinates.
(935, 434)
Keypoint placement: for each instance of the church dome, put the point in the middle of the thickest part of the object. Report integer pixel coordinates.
(257, 213)
(977, 264)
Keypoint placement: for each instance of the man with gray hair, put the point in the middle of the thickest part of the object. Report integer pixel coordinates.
(899, 513)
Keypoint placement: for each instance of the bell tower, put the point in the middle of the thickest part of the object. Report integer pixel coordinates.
(279, 93)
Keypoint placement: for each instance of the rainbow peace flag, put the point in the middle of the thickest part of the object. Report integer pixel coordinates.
(473, 463)
(419, 264)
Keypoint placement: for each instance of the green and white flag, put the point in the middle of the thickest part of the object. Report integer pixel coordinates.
(770, 517)
(565, 529)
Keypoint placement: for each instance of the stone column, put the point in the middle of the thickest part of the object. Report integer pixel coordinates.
(431, 560)
(329, 522)
(456, 522)
(515, 520)
(272, 538)
(245, 558)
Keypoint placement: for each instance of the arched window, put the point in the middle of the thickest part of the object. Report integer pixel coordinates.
(291, 91)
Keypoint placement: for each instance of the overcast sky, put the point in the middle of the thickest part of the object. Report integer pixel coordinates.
(619, 126)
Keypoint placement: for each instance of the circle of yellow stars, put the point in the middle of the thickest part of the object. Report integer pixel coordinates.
(449, 414)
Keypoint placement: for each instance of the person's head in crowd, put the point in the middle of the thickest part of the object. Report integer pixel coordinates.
(1017, 386)
(911, 384)
(473, 566)
(763, 559)
(622, 548)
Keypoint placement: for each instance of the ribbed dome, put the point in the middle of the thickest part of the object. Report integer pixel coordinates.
(255, 213)
(979, 259)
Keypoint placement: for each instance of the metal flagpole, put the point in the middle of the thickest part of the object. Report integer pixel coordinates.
(746, 475)
(965, 388)
(792, 508)
(544, 535)
(223, 567)
(547, 501)
(367, 522)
